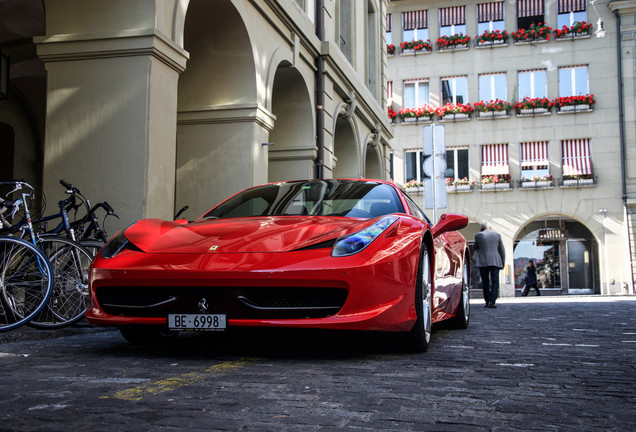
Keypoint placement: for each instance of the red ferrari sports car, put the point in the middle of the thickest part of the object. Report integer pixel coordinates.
(328, 254)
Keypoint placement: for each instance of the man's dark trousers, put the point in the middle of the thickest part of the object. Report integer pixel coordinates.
(490, 283)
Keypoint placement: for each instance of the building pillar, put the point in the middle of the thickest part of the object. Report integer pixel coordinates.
(111, 118)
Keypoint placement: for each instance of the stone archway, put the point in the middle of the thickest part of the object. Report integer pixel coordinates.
(565, 253)
(291, 145)
(373, 163)
(219, 120)
(345, 149)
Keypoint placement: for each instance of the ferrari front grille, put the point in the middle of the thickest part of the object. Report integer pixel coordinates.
(237, 302)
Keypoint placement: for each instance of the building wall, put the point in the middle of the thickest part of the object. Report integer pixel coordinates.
(511, 210)
(155, 105)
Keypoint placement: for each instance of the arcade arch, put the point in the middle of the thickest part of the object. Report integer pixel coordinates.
(291, 143)
(565, 253)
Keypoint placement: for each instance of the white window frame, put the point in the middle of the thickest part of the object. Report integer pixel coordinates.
(533, 85)
(417, 84)
(572, 90)
(456, 161)
(453, 88)
(493, 87)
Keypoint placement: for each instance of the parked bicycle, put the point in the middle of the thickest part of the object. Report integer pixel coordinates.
(26, 282)
(69, 261)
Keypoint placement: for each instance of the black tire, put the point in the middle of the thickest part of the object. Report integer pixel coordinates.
(69, 300)
(462, 318)
(93, 246)
(26, 282)
(147, 335)
(419, 338)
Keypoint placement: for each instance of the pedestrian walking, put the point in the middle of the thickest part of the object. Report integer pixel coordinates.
(491, 256)
(531, 279)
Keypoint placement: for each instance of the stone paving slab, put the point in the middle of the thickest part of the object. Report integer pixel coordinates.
(532, 364)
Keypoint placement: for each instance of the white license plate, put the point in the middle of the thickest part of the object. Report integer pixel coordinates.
(198, 322)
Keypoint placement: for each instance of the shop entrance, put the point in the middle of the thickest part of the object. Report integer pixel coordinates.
(580, 267)
(564, 254)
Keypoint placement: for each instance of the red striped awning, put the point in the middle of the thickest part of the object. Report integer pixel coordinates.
(571, 6)
(494, 159)
(493, 11)
(529, 8)
(577, 159)
(455, 15)
(415, 20)
(388, 22)
(534, 154)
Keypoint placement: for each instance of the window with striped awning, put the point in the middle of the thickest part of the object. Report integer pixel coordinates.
(493, 11)
(449, 16)
(494, 159)
(577, 159)
(534, 154)
(415, 20)
(565, 6)
(530, 8)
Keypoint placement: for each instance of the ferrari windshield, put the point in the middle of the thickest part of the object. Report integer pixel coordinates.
(363, 199)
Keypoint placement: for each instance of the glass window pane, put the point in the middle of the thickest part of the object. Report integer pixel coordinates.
(450, 164)
(540, 84)
(500, 87)
(447, 93)
(565, 82)
(462, 163)
(409, 95)
(525, 88)
(461, 90)
(389, 38)
(446, 31)
(422, 93)
(485, 87)
(411, 169)
(580, 81)
(408, 35)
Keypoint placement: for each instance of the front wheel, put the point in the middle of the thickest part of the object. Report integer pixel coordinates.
(419, 338)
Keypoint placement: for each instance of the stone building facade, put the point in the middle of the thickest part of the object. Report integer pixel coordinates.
(153, 105)
(555, 174)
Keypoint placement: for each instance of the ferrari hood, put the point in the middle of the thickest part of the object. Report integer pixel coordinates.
(253, 234)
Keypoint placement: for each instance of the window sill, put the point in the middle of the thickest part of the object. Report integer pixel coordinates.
(532, 112)
(416, 120)
(573, 109)
(411, 52)
(573, 36)
(531, 42)
(451, 118)
(491, 115)
(491, 44)
(463, 47)
(492, 187)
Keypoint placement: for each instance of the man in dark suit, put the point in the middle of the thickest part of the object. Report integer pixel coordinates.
(491, 256)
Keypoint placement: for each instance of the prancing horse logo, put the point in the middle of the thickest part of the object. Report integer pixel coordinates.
(203, 305)
(213, 248)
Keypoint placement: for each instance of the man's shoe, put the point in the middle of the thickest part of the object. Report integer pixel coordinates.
(487, 305)
(492, 305)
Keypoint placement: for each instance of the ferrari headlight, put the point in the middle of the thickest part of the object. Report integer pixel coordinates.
(117, 244)
(354, 243)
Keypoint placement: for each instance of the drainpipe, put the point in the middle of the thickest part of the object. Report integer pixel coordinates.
(621, 132)
(320, 88)
(621, 114)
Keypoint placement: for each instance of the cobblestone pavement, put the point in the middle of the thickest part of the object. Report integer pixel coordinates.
(532, 364)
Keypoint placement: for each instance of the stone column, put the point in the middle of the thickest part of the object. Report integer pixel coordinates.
(111, 118)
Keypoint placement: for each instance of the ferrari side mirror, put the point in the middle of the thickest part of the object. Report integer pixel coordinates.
(449, 222)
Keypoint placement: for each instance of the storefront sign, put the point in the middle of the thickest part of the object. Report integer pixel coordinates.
(552, 234)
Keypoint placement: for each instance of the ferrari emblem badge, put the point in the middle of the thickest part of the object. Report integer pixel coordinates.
(203, 305)
(214, 247)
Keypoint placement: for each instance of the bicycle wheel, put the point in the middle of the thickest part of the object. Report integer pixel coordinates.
(92, 245)
(69, 299)
(26, 282)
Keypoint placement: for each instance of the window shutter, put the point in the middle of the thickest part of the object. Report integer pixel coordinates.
(566, 6)
(415, 20)
(577, 159)
(534, 154)
(452, 16)
(493, 11)
(529, 8)
(494, 159)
